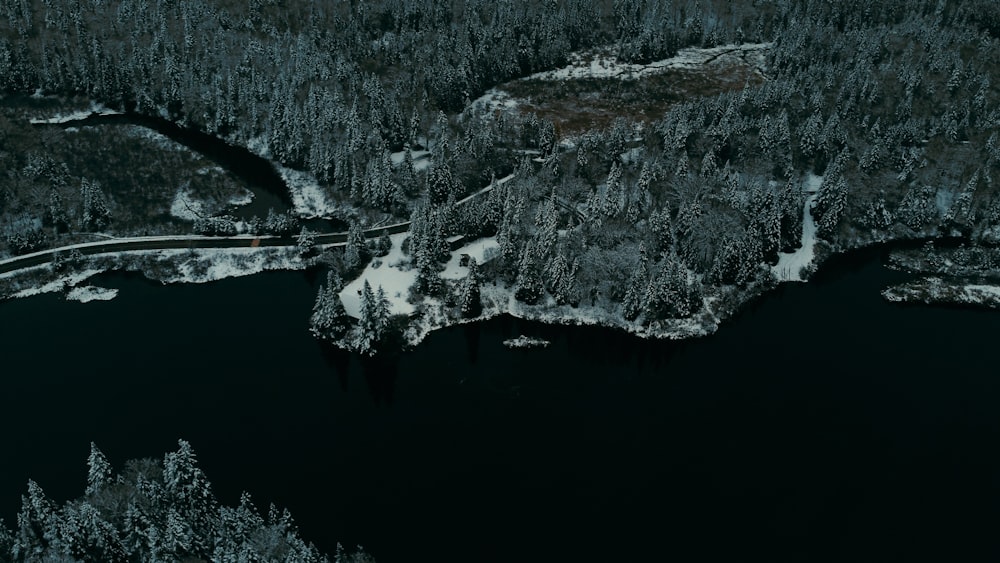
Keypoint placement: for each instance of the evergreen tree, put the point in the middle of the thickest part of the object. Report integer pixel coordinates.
(96, 214)
(662, 229)
(190, 494)
(56, 215)
(306, 241)
(99, 471)
(470, 302)
(374, 321)
(635, 292)
(528, 287)
(383, 245)
(440, 182)
(329, 319)
(356, 249)
(36, 523)
(6, 540)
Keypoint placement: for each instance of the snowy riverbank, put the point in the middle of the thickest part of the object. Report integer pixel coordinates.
(938, 291)
(166, 266)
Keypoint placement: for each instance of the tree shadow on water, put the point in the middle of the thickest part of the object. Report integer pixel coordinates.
(473, 335)
(338, 359)
(380, 374)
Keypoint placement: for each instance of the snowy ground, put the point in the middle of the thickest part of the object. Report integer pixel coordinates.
(478, 250)
(495, 99)
(243, 198)
(58, 284)
(211, 264)
(392, 273)
(185, 206)
(498, 299)
(791, 264)
(167, 266)
(94, 109)
(309, 199)
(421, 159)
(936, 291)
(602, 64)
(88, 293)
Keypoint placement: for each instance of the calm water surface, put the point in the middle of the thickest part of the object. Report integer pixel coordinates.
(822, 424)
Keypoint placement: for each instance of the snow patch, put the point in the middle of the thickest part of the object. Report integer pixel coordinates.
(59, 284)
(185, 207)
(392, 272)
(603, 64)
(934, 290)
(791, 264)
(244, 197)
(94, 109)
(205, 265)
(259, 146)
(88, 293)
(526, 342)
(495, 100)
(453, 270)
(421, 159)
(309, 198)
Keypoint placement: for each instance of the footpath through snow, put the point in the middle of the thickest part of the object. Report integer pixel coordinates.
(791, 264)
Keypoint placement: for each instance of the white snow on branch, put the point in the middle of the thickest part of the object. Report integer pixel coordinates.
(94, 109)
(791, 264)
(88, 293)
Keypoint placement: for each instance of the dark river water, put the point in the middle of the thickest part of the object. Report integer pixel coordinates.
(822, 424)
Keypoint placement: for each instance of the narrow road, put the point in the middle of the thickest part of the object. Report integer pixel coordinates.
(200, 241)
(176, 242)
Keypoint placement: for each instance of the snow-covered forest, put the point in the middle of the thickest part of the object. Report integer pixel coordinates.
(645, 220)
(154, 510)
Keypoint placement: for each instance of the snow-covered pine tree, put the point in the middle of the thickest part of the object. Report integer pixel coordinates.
(37, 524)
(672, 292)
(190, 493)
(6, 540)
(99, 471)
(374, 321)
(614, 195)
(329, 319)
(877, 216)
(662, 229)
(383, 245)
(96, 214)
(528, 287)
(470, 302)
(356, 250)
(440, 183)
(809, 134)
(634, 301)
(306, 241)
(547, 223)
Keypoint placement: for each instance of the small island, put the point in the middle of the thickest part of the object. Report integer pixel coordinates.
(526, 342)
